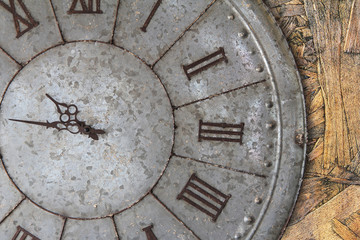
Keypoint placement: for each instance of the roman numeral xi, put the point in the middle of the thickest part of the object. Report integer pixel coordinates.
(205, 63)
(204, 197)
(22, 24)
(23, 234)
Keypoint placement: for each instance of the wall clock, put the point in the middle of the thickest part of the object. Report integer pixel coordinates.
(147, 120)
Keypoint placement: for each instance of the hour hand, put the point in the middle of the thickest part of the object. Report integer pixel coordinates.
(92, 132)
(45, 124)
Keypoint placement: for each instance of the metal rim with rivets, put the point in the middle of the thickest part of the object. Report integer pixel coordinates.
(292, 152)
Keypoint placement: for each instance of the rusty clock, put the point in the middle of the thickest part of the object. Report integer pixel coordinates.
(157, 119)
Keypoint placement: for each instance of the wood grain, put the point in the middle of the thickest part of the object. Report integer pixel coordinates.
(343, 231)
(352, 40)
(319, 224)
(331, 84)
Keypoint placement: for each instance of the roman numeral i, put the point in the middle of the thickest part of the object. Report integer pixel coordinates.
(152, 13)
(149, 233)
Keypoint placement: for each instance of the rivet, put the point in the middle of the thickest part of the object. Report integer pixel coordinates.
(248, 219)
(269, 104)
(269, 145)
(231, 17)
(237, 236)
(242, 34)
(268, 164)
(258, 200)
(259, 69)
(270, 125)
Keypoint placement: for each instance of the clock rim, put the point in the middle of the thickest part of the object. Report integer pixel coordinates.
(273, 32)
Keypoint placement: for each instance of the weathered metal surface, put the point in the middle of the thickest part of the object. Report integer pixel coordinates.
(204, 138)
(37, 39)
(90, 229)
(115, 92)
(168, 23)
(41, 224)
(150, 212)
(94, 22)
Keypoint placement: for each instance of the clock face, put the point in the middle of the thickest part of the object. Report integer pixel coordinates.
(146, 120)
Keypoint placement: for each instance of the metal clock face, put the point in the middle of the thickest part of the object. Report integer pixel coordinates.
(146, 120)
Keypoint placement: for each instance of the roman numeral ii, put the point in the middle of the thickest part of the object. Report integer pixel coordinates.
(205, 63)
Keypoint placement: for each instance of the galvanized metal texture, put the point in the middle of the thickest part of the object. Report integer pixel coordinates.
(194, 111)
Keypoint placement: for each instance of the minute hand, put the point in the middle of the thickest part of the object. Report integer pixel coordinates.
(45, 124)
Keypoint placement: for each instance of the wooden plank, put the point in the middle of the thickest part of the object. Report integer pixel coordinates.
(352, 40)
(353, 222)
(343, 231)
(331, 80)
(318, 225)
(337, 81)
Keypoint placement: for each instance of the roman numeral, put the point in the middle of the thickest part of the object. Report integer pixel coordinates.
(19, 20)
(152, 13)
(205, 63)
(220, 132)
(197, 192)
(23, 234)
(149, 233)
(86, 8)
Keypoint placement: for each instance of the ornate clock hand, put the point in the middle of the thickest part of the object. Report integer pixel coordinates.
(94, 133)
(88, 130)
(68, 114)
(45, 124)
